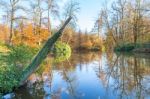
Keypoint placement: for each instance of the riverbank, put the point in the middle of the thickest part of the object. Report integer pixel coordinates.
(131, 54)
(80, 65)
(136, 48)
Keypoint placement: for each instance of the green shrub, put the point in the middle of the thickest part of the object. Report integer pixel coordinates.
(126, 47)
(21, 54)
(61, 48)
(61, 51)
(10, 69)
(9, 77)
(131, 46)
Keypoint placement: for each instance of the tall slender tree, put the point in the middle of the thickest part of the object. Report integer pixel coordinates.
(11, 7)
(52, 8)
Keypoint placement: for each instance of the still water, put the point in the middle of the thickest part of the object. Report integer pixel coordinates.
(90, 76)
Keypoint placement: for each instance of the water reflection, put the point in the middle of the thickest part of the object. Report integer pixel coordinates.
(90, 76)
(130, 76)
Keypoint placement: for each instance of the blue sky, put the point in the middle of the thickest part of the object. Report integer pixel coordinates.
(88, 13)
(89, 10)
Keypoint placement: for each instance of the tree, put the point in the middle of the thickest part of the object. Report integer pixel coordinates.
(136, 20)
(71, 9)
(98, 24)
(125, 22)
(37, 11)
(119, 17)
(42, 54)
(52, 8)
(11, 8)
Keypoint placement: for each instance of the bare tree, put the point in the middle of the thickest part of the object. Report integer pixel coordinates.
(11, 8)
(36, 10)
(119, 16)
(52, 8)
(98, 24)
(137, 19)
(71, 9)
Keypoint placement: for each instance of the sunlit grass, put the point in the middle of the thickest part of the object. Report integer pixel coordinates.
(4, 49)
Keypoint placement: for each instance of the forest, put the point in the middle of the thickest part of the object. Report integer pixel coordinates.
(126, 25)
(35, 51)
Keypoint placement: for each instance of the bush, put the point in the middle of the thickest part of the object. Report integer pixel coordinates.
(9, 77)
(126, 48)
(61, 48)
(20, 54)
(10, 70)
(130, 47)
(61, 51)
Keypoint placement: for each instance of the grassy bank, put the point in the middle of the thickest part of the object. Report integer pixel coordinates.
(15, 61)
(140, 48)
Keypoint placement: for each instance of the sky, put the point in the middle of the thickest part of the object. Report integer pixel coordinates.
(89, 10)
(88, 13)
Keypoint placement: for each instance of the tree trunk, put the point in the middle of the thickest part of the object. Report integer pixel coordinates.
(49, 24)
(11, 27)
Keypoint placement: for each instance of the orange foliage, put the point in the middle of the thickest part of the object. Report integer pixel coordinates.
(87, 44)
(96, 41)
(34, 36)
(4, 33)
(81, 40)
(29, 37)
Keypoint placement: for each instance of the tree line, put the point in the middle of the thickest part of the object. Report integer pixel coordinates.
(124, 22)
(20, 15)
(31, 18)
(30, 22)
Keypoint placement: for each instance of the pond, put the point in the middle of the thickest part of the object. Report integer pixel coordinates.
(89, 76)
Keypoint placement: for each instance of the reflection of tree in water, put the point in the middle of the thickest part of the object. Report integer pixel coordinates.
(78, 59)
(130, 76)
(67, 70)
(40, 83)
(71, 81)
(125, 76)
(100, 72)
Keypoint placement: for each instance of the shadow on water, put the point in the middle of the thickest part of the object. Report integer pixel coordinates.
(90, 76)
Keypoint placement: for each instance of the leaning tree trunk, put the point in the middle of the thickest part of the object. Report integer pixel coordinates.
(42, 54)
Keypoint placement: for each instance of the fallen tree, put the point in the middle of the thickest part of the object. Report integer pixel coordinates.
(42, 54)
